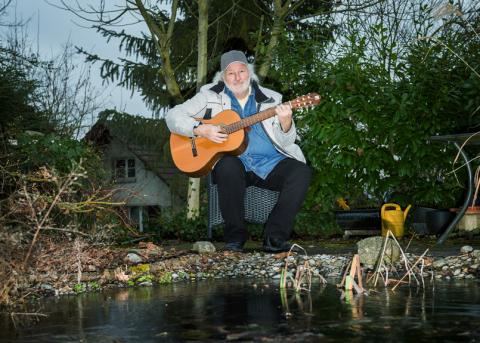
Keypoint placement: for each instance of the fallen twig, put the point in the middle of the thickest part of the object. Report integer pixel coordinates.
(410, 270)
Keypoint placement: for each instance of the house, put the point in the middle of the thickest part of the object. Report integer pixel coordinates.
(137, 157)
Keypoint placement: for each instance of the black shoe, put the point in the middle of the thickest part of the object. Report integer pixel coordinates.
(276, 245)
(234, 246)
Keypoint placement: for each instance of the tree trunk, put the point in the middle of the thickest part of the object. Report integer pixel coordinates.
(202, 57)
(277, 29)
(163, 36)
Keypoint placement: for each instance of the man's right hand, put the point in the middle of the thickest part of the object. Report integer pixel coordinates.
(212, 132)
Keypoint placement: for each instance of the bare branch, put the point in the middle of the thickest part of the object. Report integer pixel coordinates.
(217, 19)
(348, 8)
(93, 14)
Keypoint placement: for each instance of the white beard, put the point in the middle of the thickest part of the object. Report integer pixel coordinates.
(240, 88)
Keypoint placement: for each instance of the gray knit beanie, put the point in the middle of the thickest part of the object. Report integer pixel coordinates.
(232, 56)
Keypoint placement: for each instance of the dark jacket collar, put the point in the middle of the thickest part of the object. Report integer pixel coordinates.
(259, 95)
(218, 87)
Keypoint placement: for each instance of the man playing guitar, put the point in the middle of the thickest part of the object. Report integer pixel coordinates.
(271, 160)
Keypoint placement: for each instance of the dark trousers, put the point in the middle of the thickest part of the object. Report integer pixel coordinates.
(289, 177)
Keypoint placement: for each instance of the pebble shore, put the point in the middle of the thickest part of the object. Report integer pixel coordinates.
(191, 267)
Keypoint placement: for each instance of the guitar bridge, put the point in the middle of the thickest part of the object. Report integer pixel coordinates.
(194, 147)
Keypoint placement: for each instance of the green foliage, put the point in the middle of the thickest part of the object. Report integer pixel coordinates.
(311, 223)
(52, 151)
(165, 278)
(144, 278)
(231, 27)
(176, 225)
(368, 140)
(93, 286)
(80, 287)
(17, 95)
(140, 269)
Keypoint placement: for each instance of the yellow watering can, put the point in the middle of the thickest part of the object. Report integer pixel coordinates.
(393, 219)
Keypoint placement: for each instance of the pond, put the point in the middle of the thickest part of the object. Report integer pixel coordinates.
(255, 310)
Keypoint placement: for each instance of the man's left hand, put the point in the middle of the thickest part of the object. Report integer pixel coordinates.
(284, 113)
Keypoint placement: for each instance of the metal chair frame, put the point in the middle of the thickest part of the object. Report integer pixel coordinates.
(259, 203)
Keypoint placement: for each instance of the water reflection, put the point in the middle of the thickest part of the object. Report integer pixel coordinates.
(256, 311)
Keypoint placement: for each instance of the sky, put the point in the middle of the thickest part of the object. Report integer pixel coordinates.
(49, 29)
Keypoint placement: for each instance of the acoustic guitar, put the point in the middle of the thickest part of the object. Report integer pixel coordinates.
(195, 156)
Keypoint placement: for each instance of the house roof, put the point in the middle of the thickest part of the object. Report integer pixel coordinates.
(148, 139)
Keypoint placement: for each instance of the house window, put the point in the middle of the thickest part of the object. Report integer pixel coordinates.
(125, 170)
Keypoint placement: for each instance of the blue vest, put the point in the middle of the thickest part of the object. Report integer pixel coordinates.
(260, 156)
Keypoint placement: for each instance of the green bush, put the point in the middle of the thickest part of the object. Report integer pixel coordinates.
(52, 151)
(175, 225)
(368, 139)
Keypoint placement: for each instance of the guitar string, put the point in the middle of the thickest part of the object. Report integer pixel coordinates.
(249, 121)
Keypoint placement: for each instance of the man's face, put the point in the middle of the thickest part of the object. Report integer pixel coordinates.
(237, 78)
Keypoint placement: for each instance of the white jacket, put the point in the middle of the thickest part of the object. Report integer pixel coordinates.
(212, 99)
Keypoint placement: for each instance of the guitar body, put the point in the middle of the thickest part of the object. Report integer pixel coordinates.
(196, 157)
(207, 152)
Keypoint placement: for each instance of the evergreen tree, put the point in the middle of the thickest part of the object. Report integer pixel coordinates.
(235, 25)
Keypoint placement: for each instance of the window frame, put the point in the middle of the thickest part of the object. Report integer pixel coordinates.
(128, 170)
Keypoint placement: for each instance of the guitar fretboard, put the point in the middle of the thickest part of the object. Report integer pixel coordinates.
(300, 102)
(249, 121)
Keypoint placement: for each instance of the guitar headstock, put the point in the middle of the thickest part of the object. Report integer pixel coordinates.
(310, 99)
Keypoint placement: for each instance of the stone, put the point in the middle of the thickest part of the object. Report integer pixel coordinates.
(370, 249)
(203, 247)
(476, 253)
(46, 287)
(466, 249)
(133, 258)
(91, 268)
(439, 263)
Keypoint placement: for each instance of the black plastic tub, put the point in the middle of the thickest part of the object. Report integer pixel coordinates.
(438, 221)
(430, 221)
(359, 219)
(419, 219)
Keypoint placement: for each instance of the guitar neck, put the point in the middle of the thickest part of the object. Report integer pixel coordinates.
(307, 100)
(249, 121)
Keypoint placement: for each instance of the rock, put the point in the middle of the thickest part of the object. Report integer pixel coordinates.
(466, 249)
(370, 250)
(133, 258)
(146, 284)
(46, 287)
(91, 268)
(476, 253)
(439, 263)
(203, 247)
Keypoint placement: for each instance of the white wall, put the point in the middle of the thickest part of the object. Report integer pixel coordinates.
(147, 190)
